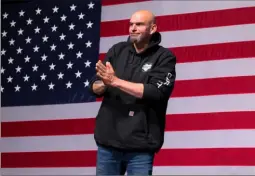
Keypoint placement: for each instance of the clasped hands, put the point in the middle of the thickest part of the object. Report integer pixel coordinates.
(106, 73)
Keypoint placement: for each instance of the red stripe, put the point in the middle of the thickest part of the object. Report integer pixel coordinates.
(166, 157)
(212, 86)
(206, 157)
(116, 2)
(49, 127)
(174, 122)
(210, 121)
(196, 20)
(211, 52)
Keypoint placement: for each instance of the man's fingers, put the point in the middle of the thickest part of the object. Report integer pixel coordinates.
(101, 72)
(100, 68)
(100, 75)
(109, 66)
(100, 65)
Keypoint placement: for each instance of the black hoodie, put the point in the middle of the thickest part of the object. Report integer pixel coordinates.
(136, 124)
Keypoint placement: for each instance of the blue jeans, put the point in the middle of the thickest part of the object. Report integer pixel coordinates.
(112, 162)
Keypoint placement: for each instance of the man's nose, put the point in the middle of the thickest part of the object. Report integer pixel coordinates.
(133, 27)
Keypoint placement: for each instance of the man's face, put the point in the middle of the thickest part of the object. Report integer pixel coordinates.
(139, 28)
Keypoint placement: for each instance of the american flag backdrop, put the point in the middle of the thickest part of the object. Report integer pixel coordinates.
(48, 55)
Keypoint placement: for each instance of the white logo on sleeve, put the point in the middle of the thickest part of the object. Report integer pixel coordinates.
(167, 82)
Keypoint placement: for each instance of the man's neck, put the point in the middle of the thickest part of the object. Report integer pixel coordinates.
(140, 47)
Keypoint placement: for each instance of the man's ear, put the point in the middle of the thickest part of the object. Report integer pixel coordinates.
(153, 28)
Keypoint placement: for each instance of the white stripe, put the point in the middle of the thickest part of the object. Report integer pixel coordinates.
(184, 105)
(160, 8)
(49, 171)
(180, 139)
(215, 103)
(158, 170)
(50, 112)
(194, 37)
(215, 69)
(204, 170)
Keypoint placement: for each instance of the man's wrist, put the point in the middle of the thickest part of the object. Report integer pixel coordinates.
(115, 82)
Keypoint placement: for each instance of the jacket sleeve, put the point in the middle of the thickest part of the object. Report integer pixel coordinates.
(108, 57)
(161, 79)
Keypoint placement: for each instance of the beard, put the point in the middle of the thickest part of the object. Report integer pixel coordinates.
(137, 38)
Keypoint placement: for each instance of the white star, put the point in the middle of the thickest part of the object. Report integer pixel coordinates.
(89, 24)
(55, 9)
(70, 45)
(11, 42)
(34, 87)
(38, 11)
(54, 28)
(53, 47)
(13, 23)
(71, 26)
(37, 30)
(88, 44)
(35, 67)
(17, 88)
(63, 18)
(52, 66)
(69, 84)
(69, 65)
(2, 70)
(4, 34)
(21, 13)
(18, 69)
(43, 76)
(86, 83)
(20, 31)
(10, 60)
(28, 40)
(45, 38)
(27, 59)
(46, 19)
(3, 52)
(9, 79)
(2, 89)
(5, 15)
(91, 5)
(60, 75)
(78, 74)
(79, 35)
(51, 86)
(87, 63)
(26, 78)
(29, 21)
(44, 57)
(62, 36)
(19, 50)
(79, 54)
(61, 56)
(73, 7)
(36, 48)
(81, 16)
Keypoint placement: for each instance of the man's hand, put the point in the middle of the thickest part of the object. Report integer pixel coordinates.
(99, 87)
(106, 73)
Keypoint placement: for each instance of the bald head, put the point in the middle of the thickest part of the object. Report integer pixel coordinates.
(142, 26)
(145, 15)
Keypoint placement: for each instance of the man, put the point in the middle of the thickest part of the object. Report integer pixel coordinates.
(136, 80)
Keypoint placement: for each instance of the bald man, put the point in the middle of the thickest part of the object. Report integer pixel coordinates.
(136, 80)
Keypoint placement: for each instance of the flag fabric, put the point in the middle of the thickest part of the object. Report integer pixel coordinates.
(48, 55)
